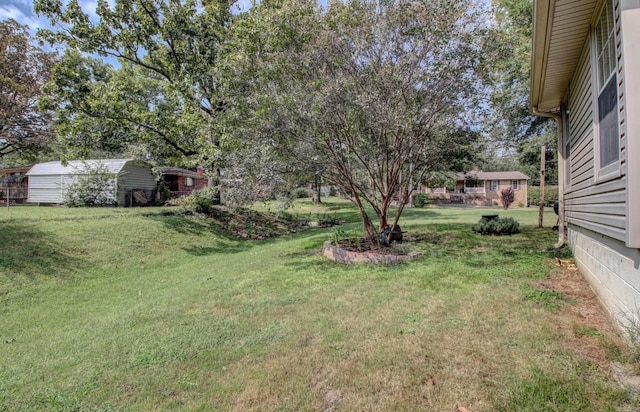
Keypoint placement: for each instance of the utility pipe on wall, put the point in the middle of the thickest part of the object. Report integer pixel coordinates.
(559, 124)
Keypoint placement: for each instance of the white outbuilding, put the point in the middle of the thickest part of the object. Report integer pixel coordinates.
(49, 182)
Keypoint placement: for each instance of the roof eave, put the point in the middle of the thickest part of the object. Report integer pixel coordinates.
(542, 23)
(560, 28)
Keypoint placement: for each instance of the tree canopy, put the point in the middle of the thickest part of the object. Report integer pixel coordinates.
(372, 94)
(24, 69)
(168, 92)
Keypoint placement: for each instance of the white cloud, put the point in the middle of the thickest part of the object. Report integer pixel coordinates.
(12, 12)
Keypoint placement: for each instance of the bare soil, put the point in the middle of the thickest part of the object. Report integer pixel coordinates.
(583, 321)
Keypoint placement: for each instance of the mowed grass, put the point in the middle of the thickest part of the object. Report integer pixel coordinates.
(147, 309)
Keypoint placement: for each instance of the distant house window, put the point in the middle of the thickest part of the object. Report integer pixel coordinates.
(515, 184)
(494, 185)
(608, 138)
(189, 181)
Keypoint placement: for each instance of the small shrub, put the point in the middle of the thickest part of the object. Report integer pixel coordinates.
(333, 192)
(420, 199)
(507, 196)
(327, 220)
(339, 234)
(199, 201)
(498, 226)
(301, 193)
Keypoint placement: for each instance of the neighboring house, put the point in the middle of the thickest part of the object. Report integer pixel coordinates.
(490, 184)
(13, 183)
(181, 182)
(483, 188)
(586, 75)
(49, 182)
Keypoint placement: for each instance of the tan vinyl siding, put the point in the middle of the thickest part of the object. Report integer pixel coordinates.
(621, 86)
(581, 123)
(598, 207)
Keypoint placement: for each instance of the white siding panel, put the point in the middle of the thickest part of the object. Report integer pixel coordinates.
(45, 189)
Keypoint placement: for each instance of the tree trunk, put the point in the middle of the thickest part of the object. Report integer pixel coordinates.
(372, 233)
(317, 185)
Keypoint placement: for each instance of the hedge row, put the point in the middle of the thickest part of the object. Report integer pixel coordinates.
(550, 195)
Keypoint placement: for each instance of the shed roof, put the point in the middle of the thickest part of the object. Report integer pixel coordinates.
(560, 28)
(10, 170)
(479, 175)
(74, 167)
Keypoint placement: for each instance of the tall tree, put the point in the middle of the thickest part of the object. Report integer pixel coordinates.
(510, 68)
(375, 94)
(24, 68)
(514, 130)
(169, 92)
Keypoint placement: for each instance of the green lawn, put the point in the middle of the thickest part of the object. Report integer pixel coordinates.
(147, 309)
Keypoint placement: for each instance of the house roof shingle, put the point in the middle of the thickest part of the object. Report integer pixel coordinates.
(479, 175)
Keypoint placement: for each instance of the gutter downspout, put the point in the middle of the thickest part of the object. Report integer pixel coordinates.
(559, 124)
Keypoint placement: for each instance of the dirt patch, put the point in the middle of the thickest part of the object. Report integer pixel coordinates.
(584, 323)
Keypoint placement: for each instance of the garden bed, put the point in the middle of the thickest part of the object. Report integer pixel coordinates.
(346, 253)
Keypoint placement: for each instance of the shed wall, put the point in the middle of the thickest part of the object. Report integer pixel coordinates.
(135, 177)
(48, 188)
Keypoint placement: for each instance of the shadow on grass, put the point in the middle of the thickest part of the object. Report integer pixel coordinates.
(29, 252)
(219, 249)
(187, 224)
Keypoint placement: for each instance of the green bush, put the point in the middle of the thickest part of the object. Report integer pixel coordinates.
(301, 193)
(550, 195)
(95, 187)
(498, 226)
(199, 201)
(420, 199)
(327, 220)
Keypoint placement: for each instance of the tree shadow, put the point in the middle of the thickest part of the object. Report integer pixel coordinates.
(187, 224)
(28, 253)
(220, 249)
(193, 226)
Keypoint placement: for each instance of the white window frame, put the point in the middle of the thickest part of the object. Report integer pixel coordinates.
(491, 185)
(188, 181)
(515, 184)
(600, 82)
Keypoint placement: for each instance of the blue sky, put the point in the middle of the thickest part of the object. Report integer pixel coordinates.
(22, 12)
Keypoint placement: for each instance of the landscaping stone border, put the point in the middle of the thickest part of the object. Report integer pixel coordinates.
(349, 257)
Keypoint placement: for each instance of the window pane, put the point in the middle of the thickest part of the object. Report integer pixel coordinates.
(605, 44)
(608, 117)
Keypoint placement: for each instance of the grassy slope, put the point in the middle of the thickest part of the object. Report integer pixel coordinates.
(134, 309)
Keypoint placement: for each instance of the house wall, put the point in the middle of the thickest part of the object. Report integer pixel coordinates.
(599, 206)
(612, 270)
(598, 212)
(494, 195)
(630, 26)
